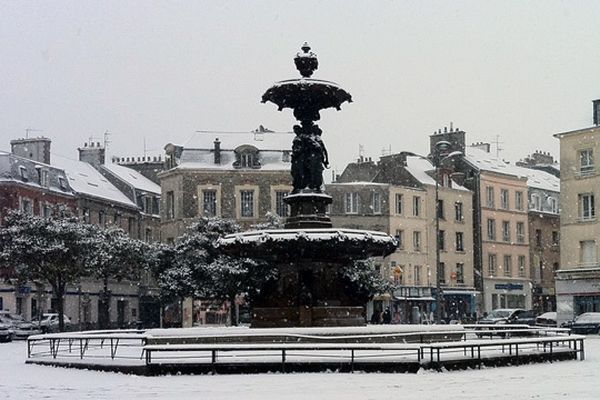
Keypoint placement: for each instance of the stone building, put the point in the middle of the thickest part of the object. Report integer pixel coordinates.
(48, 179)
(240, 176)
(397, 196)
(578, 278)
(544, 236)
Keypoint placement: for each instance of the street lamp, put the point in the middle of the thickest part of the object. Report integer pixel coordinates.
(439, 156)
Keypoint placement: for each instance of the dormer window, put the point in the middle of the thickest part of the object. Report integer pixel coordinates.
(44, 178)
(62, 182)
(24, 173)
(246, 156)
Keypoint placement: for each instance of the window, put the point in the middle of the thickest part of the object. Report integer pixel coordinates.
(400, 238)
(417, 274)
(521, 266)
(458, 211)
(376, 203)
(62, 182)
(460, 244)
(209, 203)
(553, 204)
(589, 253)
(520, 232)
(442, 272)
(44, 178)
(504, 199)
(117, 219)
(101, 218)
(489, 195)
(148, 237)
(460, 273)
(507, 265)
(586, 162)
(506, 231)
(247, 203)
(247, 160)
(281, 208)
(491, 229)
(535, 202)
(27, 206)
(86, 215)
(46, 210)
(24, 173)
(398, 204)
(416, 206)
(555, 238)
(131, 225)
(586, 206)
(519, 200)
(170, 205)
(148, 205)
(442, 240)
(417, 240)
(492, 264)
(440, 209)
(538, 237)
(351, 202)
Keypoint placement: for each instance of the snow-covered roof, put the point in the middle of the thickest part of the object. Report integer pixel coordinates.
(418, 167)
(364, 183)
(11, 167)
(133, 178)
(485, 161)
(204, 159)
(281, 141)
(85, 179)
(541, 180)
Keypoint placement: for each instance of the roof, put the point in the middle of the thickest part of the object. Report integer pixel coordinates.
(133, 178)
(418, 167)
(281, 141)
(204, 159)
(485, 161)
(11, 167)
(588, 129)
(86, 180)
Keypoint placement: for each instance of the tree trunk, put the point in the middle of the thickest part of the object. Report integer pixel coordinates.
(232, 310)
(59, 292)
(104, 321)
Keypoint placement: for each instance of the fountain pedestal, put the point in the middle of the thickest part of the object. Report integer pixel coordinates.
(308, 210)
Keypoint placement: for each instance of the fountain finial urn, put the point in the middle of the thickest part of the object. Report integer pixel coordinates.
(306, 62)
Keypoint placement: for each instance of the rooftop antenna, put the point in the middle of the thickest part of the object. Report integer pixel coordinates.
(31, 130)
(106, 139)
(498, 148)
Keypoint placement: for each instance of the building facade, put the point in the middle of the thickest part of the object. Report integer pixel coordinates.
(578, 278)
(240, 176)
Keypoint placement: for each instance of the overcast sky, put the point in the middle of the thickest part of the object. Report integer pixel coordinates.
(519, 71)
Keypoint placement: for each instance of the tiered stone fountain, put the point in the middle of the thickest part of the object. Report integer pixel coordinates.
(309, 253)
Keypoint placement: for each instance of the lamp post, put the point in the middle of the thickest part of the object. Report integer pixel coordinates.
(440, 151)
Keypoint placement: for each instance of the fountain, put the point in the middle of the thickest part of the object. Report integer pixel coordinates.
(308, 253)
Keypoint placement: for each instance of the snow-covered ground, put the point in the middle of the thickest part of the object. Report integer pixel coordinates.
(578, 380)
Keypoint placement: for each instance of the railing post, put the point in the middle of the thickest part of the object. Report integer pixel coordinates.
(517, 352)
(214, 360)
(352, 359)
(282, 360)
(582, 353)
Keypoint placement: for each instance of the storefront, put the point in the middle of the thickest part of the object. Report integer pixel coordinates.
(460, 304)
(577, 291)
(506, 293)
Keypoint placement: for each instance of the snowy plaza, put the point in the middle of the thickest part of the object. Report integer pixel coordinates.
(567, 379)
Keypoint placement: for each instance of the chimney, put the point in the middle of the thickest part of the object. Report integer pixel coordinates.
(36, 149)
(217, 151)
(596, 105)
(92, 154)
(454, 136)
(481, 146)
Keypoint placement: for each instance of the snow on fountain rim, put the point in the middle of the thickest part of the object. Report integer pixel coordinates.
(312, 234)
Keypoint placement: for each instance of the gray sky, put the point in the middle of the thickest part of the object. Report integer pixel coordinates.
(161, 70)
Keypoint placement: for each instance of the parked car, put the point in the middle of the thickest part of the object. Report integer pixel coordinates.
(6, 333)
(21, 329)
(501, 316)
(49, 323)
(547, 319)
(585, 323)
